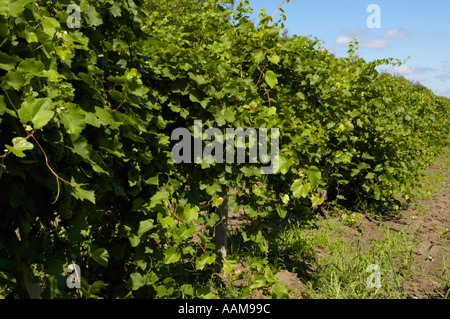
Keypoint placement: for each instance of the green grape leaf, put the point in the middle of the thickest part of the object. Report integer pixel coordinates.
(160, 196)
(271, 79)
(187, 290)
(274, 59)
(316, 201)
(284, 168)
(97, 285)
(115, 9)
(172, 255)
(216, 200)
(92, 16)
(30, 66)
(314, 175)
(83, 194)
(280, 290)
(136, 281)
(145, 226)
(20, 144)
(206, 258)
(191, 213)
(187, 232)
(7, 62)
(13, 8)
(14, 79)
(299, 189)
(228, 264)
(50, 25)
(74, 119)
(38, 111)
(101, 256)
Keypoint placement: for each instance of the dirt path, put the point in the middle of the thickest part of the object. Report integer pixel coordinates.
(432, 228)
(430, 223)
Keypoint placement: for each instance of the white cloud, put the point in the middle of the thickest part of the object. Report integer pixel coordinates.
(405, 69)
(402, 69)
(447, 69)
(398, 33)
(359, 35)
(374, 44)
(343, 40)
(355, 31)
(379, 43)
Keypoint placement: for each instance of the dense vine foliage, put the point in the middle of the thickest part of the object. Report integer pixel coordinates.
(86, 116)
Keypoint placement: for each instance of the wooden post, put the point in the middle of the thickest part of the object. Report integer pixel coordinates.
(221, 229)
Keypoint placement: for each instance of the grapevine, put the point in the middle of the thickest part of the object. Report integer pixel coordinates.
(87, 114)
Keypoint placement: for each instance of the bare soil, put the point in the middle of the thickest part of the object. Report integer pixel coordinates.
(433, 241)
(431, 228)
(429, 225)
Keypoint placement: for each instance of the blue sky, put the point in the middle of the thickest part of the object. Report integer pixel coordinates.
(416, 28)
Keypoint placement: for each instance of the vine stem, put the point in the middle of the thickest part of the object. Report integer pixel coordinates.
(78, 277)
(51, 170)
(7, 153)
(1, 167)
(121, 103)
(279, 7)
(262, 71)
(46, 162)
(178, 218)
(318, 195)
(12, 104)
(268, 98)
